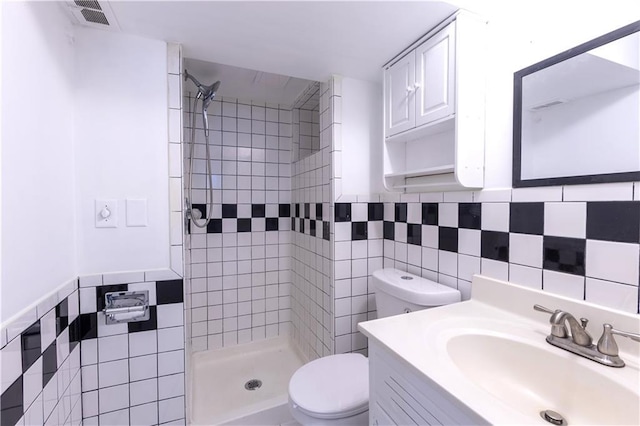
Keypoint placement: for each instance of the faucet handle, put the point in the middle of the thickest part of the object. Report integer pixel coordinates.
(541, 308)
(607, 344)
(557, 330)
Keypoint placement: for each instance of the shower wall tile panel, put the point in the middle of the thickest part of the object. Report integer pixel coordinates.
(133, 373)
(312, 265)
(239, 265)
(40, 364)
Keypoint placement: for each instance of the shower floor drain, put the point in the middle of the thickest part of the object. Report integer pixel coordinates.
(253, 384)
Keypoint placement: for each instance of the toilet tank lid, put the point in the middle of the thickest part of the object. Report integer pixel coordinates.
(335, 385)
(413, 288)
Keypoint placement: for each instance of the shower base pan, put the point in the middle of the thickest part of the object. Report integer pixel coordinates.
(221, 378)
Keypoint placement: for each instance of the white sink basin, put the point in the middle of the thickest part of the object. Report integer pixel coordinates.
(531, 379)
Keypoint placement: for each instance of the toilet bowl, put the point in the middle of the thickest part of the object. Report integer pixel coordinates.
(334, 390)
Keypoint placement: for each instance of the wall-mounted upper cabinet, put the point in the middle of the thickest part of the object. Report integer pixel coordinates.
(434, 110)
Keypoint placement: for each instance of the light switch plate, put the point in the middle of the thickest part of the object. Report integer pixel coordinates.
(136, 212)
(107, 208)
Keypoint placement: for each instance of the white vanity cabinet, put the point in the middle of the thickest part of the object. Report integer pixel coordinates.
(397, 396)
(434, 110)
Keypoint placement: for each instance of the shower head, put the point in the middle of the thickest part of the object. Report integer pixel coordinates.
(206, 93)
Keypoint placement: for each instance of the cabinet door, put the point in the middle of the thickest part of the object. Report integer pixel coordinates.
(435, 69)
(400, 111)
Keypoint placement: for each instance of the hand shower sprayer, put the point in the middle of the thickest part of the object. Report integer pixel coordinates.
(206, 95)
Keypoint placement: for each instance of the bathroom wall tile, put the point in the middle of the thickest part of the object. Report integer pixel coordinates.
(495, 217)
(563, 284)
(171, 409)
(564, 255)
(526, 249)
(613, 295)
(613, 261)
(614, 221)
(143, 391)
(145, 414)
(565, 219)
(525, 275)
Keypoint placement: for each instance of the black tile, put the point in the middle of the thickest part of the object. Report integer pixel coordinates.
(358, 230)
(495, 245)
(258, 210)
(293, 224)
(414, 234)
(401, 212)
(469, 215)
(31, 345)
(318, 211)
(49, 363)
(74, 333)
(12, 403)
(564, 254)
(376, 211)
(104, 289)
(312, 228)
(526, 218)
(614, 221)
(229, 211)
(343, 212)
(88, 326)
(284, 210)
(169, 291)
(62, 316)
(326, 231)
(430, 214)
(389, 230)
(298, 210)
(271, 224)
(302, 225)
(150, 324)
(307, 211)
(448, 239)
(244, 225)
(201, 207)
(214, 226)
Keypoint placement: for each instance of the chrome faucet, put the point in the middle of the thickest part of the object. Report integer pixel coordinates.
(580, 341)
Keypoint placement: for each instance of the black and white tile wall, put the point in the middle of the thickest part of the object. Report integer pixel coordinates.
(239, 265)
(588, 250)
(132, 373)
(41, 381)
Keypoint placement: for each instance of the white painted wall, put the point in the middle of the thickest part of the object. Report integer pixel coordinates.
(38, 213)
(362, 136)
(121, 148)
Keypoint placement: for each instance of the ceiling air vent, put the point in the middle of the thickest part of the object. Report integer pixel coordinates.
(91, 13)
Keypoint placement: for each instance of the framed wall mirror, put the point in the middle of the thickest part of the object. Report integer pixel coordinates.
(577, 114)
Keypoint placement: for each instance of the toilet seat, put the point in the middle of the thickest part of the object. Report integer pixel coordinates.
(331, 387)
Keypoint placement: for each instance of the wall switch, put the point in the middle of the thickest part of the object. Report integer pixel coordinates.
(136, 212)
(106, 214)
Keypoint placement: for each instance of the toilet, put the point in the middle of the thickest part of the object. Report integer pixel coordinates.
(334, 390)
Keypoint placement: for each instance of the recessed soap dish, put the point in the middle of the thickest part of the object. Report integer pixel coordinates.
(126, 306)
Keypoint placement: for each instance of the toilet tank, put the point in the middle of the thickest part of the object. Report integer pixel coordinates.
(400, 292)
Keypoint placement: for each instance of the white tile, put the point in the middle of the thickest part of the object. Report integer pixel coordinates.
(430, 258)
(47, 329)
(143, 391)
(144, 415)
(342, 250)
(448, 263)
(526, 276)
(73, 305)
(170, 315)
(170, 339)
(414, 213)
(113, 373)
(89, 352)
(90, 421)
(88, 300)
(143, 343)
(613, 295)
(469, 241)
(548, 193)
(342, 231)
(565, 219)
(171, 409)
(90, 404)
(636, 191)
(468, 266)
(525, 249)
(32, 382)
(619, 191)
(613, 261)
(431, 197)
(115, 418)
(359, 212)
(123, 277)
(10, 363)
(430, 236)
(492, 196)
(171, 386)
(90, 377)
(33, 415)
(563, 284)
(90, 280)
(174, 91)
(112, 348)
(494, 269)
(50, 396)
(448, 214)
(143, 367)
(170, 362)
(495, 217)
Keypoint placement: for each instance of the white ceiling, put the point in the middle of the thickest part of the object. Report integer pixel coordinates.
(304, 39)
